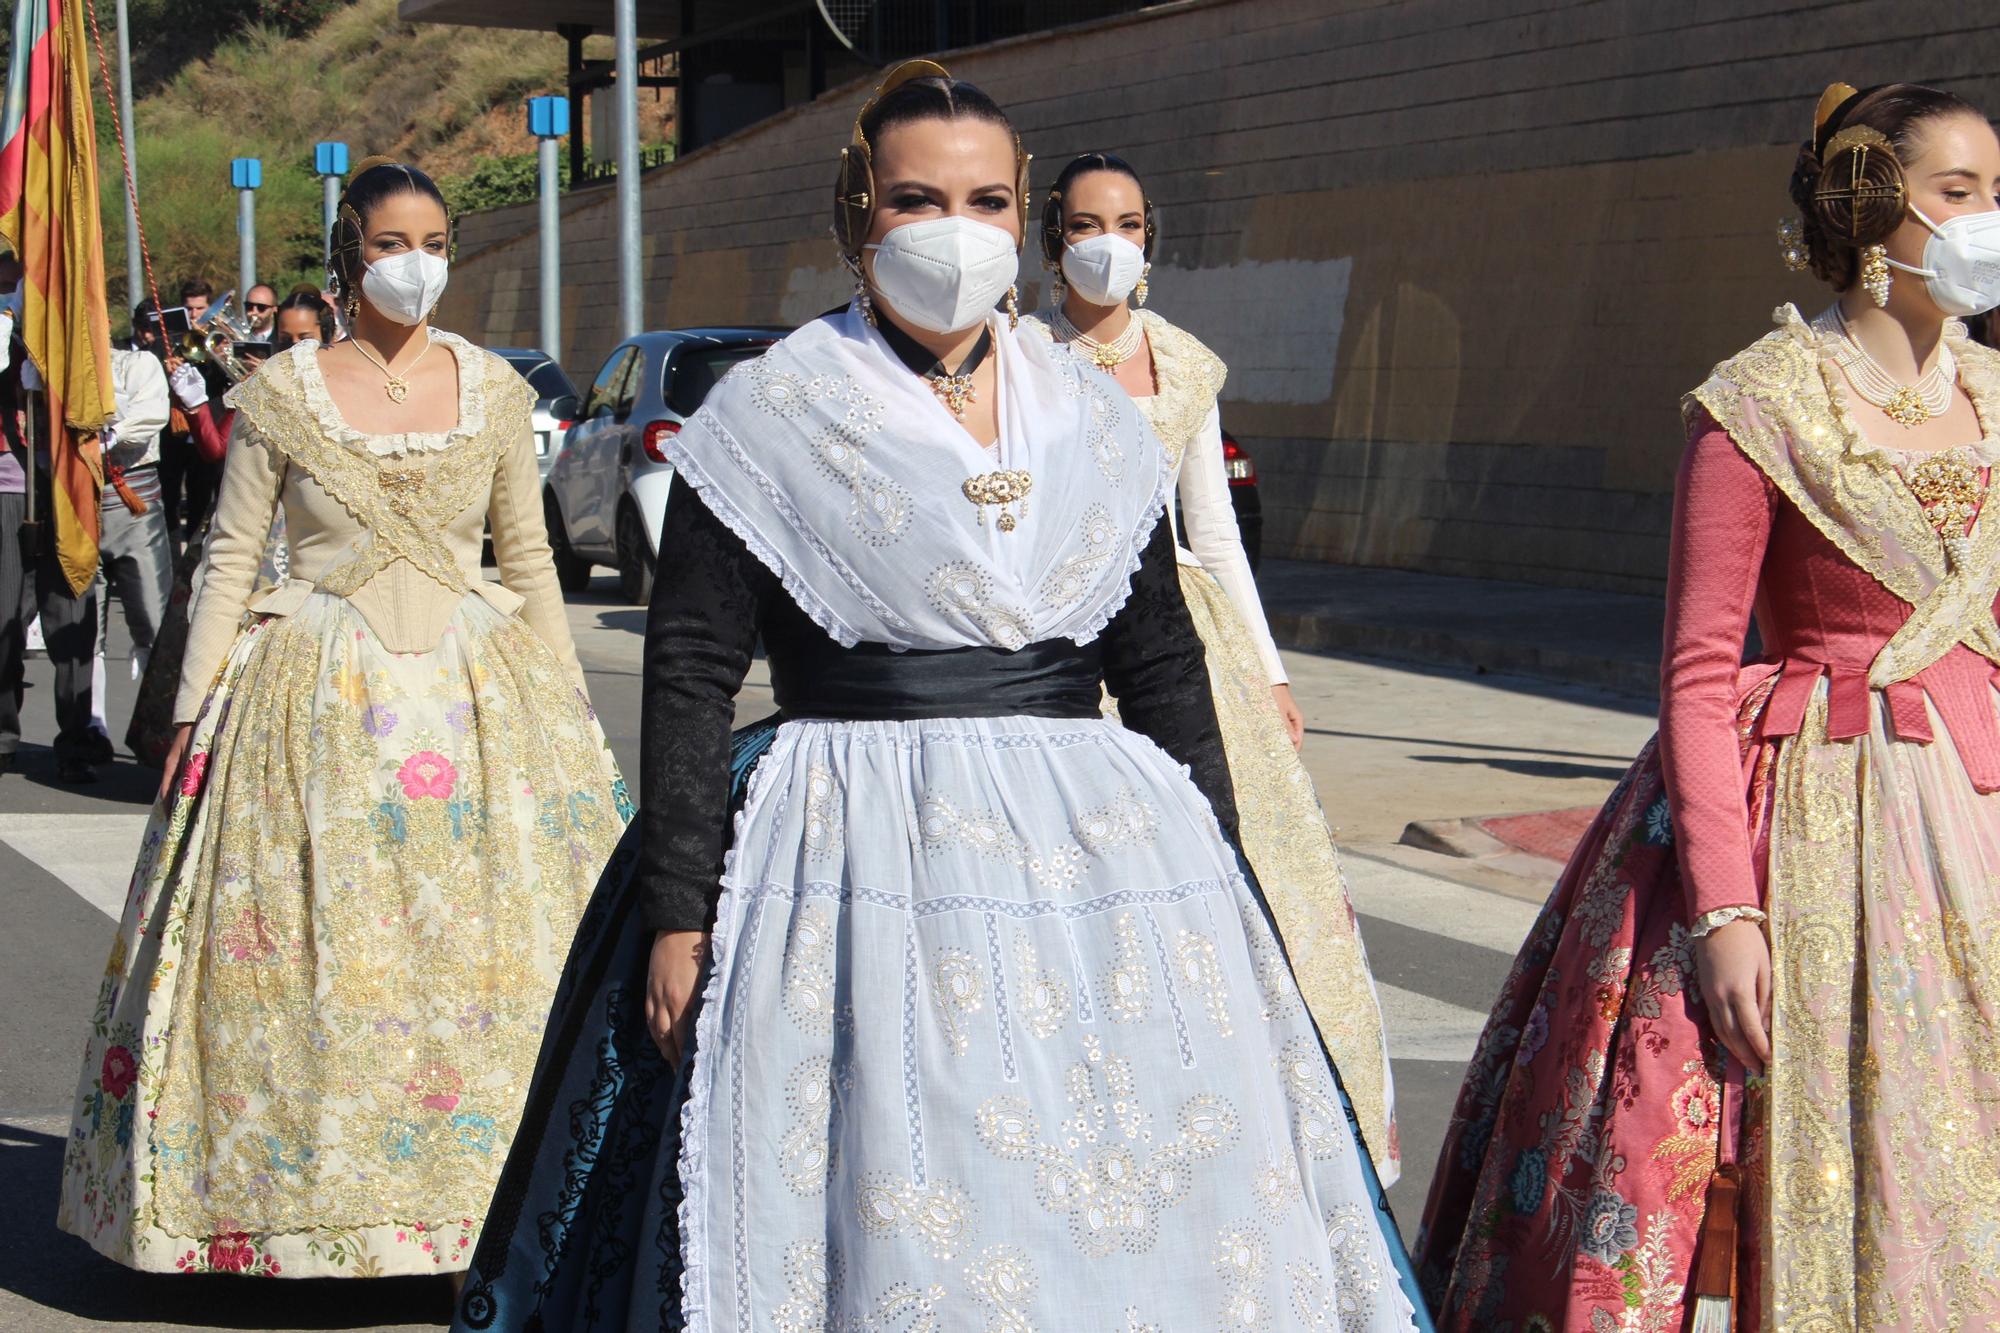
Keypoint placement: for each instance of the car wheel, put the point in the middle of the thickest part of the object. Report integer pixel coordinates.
(635, 558)
(572, 570)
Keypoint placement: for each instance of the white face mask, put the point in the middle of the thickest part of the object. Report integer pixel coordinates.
(1103, 270)
(947, 274)
(1961, 262)
(406, 287)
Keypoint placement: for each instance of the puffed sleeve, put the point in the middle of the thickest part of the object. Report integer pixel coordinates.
(1723, 510)
(252, 473)
(1156, 669)
(701, 629)
(521, 541)
(1217, 541)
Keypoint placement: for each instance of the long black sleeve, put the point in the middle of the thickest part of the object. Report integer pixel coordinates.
(1155, 667)
(701, 629)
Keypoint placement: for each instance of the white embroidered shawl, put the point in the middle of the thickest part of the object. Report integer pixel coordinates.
(841, 471)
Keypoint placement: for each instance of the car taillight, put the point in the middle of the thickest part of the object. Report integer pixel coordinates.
(1236, 464)
(656, 433)
(562, 427)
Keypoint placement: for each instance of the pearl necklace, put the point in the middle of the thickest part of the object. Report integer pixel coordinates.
(1104, 355)
(1908, 405)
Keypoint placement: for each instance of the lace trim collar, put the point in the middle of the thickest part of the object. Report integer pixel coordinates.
(471, 404)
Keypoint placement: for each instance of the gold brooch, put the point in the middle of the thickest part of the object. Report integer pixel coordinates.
(403, 487)
(1000, 489)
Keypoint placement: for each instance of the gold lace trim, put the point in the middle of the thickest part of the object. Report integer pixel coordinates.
(1187, 380)
(403, 504)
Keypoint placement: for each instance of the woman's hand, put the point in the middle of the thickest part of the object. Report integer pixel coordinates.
(670, 981)
(176, 752)
(1734, 961)
(1288, 709)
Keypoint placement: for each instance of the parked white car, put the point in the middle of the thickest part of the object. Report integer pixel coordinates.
(606, 493)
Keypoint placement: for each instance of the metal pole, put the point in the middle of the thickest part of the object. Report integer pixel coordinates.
(329, 205)
(246, 242)
(135, 265)
(631, 275)
(551, 248)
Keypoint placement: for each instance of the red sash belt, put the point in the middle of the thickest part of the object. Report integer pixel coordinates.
(1969, 719)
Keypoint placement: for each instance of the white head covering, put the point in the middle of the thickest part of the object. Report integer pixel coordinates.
(842, 472)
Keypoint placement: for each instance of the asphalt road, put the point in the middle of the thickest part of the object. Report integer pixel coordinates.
(1387, 745)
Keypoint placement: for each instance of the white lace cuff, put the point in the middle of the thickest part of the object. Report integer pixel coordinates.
(1722, 916)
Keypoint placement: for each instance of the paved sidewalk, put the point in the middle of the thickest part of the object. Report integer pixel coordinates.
(1576, 636)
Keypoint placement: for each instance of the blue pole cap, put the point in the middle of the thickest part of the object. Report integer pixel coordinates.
(246, 173)
(330, 159)
(548, 117)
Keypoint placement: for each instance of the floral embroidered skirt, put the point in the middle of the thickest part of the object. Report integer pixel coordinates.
(1287, 843)
(995, 1035)
(1570, 1192)
(325, 997)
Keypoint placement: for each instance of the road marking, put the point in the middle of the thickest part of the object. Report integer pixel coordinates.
(1435, 906)
(92, 854)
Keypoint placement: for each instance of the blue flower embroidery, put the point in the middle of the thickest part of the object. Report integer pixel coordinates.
(1660, 823)
(1610, 1228)
(477, 1132)
(121, 1128)
(399, 1140)
(621, 799)
(1531, 1176)
(388, 822)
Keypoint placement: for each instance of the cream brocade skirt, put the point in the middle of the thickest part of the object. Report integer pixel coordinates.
(1877, 1177)
(328, 989)
(1286, 840)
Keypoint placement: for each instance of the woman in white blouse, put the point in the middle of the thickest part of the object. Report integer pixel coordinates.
(1098, 236)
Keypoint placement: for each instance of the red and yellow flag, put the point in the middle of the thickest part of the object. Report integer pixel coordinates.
(48, 213)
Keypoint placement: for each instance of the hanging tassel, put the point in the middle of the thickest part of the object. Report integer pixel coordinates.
(1714, 1284)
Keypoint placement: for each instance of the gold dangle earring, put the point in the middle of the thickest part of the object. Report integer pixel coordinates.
(1014, 306)
(1144, 286)
(1792, 245)
(1875, 273)
(861, 297)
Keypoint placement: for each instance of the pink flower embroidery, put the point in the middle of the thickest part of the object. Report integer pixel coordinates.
(191, 776)
(436, 1089)
(427, 773)
(1697, 1105)
(249, 940)
(231, 1252)
(118, 1072)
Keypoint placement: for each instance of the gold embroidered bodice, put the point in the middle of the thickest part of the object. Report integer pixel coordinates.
(1780, 402)
(396, 531)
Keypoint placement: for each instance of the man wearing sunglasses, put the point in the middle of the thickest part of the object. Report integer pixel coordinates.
(261, 306)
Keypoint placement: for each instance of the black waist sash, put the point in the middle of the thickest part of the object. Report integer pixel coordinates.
(869, 682)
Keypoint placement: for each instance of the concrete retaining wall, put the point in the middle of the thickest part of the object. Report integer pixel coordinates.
(1462, 256)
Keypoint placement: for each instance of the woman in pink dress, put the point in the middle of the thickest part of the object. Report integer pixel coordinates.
(1746, 1070)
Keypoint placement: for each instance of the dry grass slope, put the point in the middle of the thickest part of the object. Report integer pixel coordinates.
(443, 98)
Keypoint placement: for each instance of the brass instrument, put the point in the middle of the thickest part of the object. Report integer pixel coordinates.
(212, 340)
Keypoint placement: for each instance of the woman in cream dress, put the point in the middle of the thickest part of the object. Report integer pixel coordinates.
(387, 801)
(1098, 233)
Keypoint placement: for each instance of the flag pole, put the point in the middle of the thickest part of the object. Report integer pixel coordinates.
(135, 269)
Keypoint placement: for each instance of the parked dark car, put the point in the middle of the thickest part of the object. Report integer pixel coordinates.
(1242, 474)
(608, 491)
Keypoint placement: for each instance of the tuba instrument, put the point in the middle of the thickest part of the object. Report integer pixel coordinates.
(212, 340)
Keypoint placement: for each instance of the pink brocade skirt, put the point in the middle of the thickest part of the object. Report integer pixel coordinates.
(1573, 1182)
(1570, 1190)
